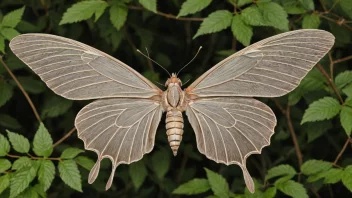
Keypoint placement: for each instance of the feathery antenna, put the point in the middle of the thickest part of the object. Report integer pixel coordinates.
(189, 61)
(152, 60)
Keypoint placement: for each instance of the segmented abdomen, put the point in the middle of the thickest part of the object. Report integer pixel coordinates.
(174, 129)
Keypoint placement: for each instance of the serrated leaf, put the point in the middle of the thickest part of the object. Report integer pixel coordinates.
(346, 119)
(149, 5)
(193, 187)
(138, 173)
(12, 18)
(252, 16)
(193, 6)
(85, 162)
(31, 85)
(71, 153)
(55, 105)
(215, 22)
(325, 108)
(19, 142)
(6, 93)
(333, 176)
(347, 177)
(42, 142)
(46, 174)
(292, 188)
(311, 21)
(2, 45)
(28, 193)
(21, 180)
(4, 145)
(241, 3)
(4, 165)
(343, 79)
(274, 15)
(4, 182)
(311, 167)
(241, 31)
(9, 33)
(307, 4)
(70, 174)
(22, 162)
(217, 183)
(280, 170)
(83, 10)
(118, 15)
(40, 190)
(161, 163)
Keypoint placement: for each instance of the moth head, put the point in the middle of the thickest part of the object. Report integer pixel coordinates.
(173, 80)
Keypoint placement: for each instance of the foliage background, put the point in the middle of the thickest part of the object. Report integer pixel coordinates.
(309, 155)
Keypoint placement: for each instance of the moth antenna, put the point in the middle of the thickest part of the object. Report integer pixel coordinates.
(189, 61)
(159, 83)
(153, 61)
(186, 81)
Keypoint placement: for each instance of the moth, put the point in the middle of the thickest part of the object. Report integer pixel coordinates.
(228, 123)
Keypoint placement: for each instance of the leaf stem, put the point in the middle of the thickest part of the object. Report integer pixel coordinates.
(293, 135)
(342, 59)
(349, 140)
(65, 137)
(169, 16)
(36, 158)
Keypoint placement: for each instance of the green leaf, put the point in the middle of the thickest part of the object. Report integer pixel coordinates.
(270, 193)
(215, 22)
(19, 142)
(70, 175)
(46, 174)
(9, 122)
(2, 45)
(293, 7)
(311, 167)
(280, 170)
(252, 16)
(21, 180)
(346, 6)
(6, 92)
(348, 90)
(70, 153)
(241, 3)
(241, 30)
(13, 18)
(274, 15)
(292, 188)
(346, 119)
(9, 33)
(161, 163)
(193, 6)
(149, 5)
(83, 10)
(55, 105)
(193, 187)
(325, 108)
(4, 145)
(85, 162)
(333, 176)
(40, 190)
(4, 182)
(311, 21)
(317, 129)
(32, 85)
(42, 142)
(22, 162)
(28, 193)
(4, 165)
(217, 183)
(138, 173)
(347, 177)
(343, 79)
(118, 15)
(307, 4)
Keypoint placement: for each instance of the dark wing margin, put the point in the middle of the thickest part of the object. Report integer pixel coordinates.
(228, 130)
(76, 71)
(122, 130)
(269, 68)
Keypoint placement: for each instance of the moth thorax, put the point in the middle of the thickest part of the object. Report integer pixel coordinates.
(173, 94)
(174, 129)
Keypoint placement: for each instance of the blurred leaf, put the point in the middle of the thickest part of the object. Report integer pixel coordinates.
(274, 15)
(39, 189)
(83, 10)
(85, 162)
(280, 170)
(55, 105)
(311, 167)
(346, 119)
(9, 33)
(71, 153)
(28, 193)
(333, 176)
(215, 22)
(193, 6)
(292, 188)
(11, 19)
(4, 145)
(218, 184)
(241, 31)
(42, 142)
(70, 175)
(19, 142)
(317, 129)
(325, 108)
(346, 6)
(343, 79)
(311, 21)
(118, 15)
(241, 3)
(149, 5)
(138, 173)
(293, 7)
(22, 162)
(347, 177)
(2, 44)
(9, 122)
(307, 4)
(46, 174)
(253, 16)
(4, 165)
(348, 90)
(161, 163)
(4, 182)
(193, 187)
(6, 92)
(31, 85)
(341, 33)
(21, 179)
(270, 193)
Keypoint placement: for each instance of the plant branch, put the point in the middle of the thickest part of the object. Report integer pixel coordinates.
(169, 16)
(293, 135)
(65, 137)
(22, 89)
(342, 59)
(36, 158)
(342, 151)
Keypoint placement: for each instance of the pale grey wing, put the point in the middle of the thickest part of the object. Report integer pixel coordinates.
(76, 71)
(122, 130)
(269, 68)
(229, 129)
